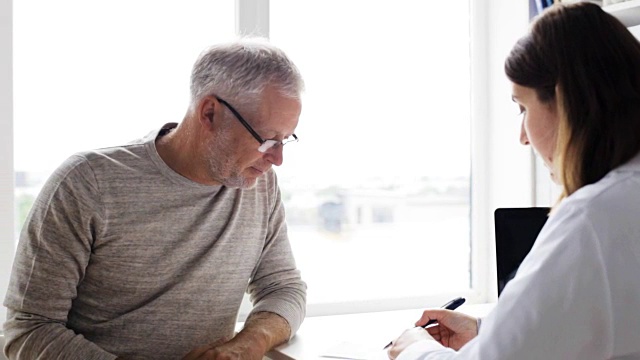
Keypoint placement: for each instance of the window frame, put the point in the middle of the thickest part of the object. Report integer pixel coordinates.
(7, 248)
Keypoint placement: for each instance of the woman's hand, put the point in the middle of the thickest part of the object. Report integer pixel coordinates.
(454, 329)
(407, 338)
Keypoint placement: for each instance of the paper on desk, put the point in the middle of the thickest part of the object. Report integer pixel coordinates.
(350, 351)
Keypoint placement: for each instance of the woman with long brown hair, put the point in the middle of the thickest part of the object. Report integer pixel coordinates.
(576, 79)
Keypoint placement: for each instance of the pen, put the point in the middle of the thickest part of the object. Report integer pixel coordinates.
(451, 305)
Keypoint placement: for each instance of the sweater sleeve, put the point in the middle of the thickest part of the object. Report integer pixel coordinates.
(276, 285)
(51, 258)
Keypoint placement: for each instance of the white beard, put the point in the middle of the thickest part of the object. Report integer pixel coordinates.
(221, 166)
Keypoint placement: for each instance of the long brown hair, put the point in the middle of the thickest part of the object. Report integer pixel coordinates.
(587, 61)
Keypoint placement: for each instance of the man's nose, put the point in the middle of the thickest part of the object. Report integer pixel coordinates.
(274, 155)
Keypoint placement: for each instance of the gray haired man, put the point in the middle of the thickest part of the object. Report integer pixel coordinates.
(144, 251)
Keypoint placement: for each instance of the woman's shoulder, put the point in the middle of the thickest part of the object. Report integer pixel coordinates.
(620, 188)
(609, 208)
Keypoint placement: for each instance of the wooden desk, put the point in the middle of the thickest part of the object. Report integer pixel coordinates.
(318, 335)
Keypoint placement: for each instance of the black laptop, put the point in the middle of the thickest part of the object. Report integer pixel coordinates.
(516, 231)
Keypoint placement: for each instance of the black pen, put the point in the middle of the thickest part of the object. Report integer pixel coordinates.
(451, 305)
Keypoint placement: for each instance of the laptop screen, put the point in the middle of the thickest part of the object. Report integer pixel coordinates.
(516, 231)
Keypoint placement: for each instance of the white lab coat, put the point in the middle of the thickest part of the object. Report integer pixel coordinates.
(577, 293)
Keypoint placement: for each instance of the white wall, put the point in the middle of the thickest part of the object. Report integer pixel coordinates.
(635, 30)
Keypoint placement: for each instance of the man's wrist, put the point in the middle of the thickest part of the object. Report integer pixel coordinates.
(252, 341)
(265, 330)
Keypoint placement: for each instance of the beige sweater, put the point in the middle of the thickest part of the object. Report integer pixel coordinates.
(121, 256)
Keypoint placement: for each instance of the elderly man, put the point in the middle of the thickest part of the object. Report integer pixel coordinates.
(144, 251)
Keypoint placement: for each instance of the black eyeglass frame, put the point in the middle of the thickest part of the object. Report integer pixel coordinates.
(271, 143)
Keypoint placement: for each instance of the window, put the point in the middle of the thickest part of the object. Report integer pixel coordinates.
(95, 74)
(89, 75)
(378, 191)
(379, 184)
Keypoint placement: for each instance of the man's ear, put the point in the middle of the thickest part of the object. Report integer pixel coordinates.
(206, 111)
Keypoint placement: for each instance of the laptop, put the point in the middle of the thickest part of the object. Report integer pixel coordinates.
(516, 231)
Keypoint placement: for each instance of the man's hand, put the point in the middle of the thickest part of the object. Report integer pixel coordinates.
(225, 350)
(262, 331)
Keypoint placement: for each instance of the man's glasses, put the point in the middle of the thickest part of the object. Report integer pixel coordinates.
(265, 145)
